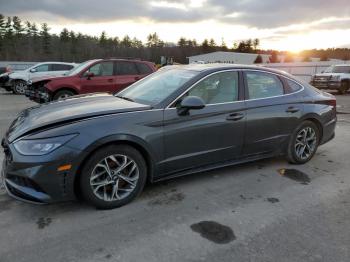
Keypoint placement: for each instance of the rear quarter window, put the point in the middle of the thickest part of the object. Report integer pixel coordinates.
(292, 86)
(143, 69)
(61, 67)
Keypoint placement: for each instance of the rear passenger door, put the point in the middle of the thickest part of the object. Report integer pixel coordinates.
(272, 113)
(59, 69)
(127, 73)
(103, 79)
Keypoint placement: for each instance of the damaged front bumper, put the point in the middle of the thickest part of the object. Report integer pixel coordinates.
(40, 95)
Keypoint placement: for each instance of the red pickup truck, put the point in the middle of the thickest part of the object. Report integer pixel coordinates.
(101, 75)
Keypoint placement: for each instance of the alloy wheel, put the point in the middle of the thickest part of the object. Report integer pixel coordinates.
(305, 143)
(20, 87)
(114, 177)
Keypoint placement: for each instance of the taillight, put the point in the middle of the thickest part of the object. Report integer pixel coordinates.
(331, 102)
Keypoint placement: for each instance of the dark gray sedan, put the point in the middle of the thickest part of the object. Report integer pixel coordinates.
(175, 122)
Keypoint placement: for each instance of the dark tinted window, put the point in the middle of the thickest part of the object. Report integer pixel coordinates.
(126, 68)
(341, 69)
(60, 67)
(102, 69)
(261, 85)
(217, 88)
(293, 86)
(143, 69)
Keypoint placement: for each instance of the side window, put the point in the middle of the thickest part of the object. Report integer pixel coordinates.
(126, 68)
(60, 67)
(217, 88)
(261, 85)
(143, 69)
(292, 86)
(101, 69)
(42, 68)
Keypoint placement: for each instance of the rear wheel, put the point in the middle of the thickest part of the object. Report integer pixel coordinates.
(113, 176)
(63, 94)
(303, 143)
(19, 87)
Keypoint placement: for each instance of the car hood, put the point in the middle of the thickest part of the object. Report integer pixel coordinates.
(329, 74)
(68, 110)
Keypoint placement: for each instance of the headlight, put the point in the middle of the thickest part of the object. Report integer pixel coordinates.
(39, 147)
(335, 78)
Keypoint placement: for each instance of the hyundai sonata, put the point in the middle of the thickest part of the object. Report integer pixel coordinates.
(177, 121)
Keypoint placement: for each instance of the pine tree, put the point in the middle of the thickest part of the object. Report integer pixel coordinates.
(258, 60)
(46, 39)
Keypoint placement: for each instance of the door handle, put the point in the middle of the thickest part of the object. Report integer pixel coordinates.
(235, 116)
(110, 80)
(292, 109)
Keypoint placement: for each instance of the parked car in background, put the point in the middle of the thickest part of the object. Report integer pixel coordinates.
(4, 75)
(18, 80)
(178, 121)
(336, 77)
(101, 75)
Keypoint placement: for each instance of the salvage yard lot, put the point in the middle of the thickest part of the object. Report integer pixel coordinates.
(261, 211)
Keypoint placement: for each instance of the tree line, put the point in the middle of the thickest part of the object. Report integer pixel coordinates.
(28, 41)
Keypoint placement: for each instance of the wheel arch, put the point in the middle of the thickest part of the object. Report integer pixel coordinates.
(132, 141)
(64, 88)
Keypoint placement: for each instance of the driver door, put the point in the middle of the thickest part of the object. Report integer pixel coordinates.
(103, 79)
(210, 135)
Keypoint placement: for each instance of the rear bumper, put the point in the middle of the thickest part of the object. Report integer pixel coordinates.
(328, 131)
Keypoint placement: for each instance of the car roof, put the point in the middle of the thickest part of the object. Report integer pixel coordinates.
(60, 63)
(218, 66)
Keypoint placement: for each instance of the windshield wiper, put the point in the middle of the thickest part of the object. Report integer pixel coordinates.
(126, 98)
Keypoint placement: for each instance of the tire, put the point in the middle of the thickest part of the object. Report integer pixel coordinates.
(62, 95)
(19, 87)
(343, 88)
(298, 142)
(97, 184)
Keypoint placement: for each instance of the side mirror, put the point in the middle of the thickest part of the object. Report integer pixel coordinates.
(190, 103)
(89, 75)
(33, 70)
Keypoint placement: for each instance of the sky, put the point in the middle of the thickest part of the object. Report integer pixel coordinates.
(279, 24)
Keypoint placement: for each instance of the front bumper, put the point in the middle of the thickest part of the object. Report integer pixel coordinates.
(326, 84)
(36, 179)
(37, 95)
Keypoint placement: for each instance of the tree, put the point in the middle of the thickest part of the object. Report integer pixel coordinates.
(2, 26)
(64, 35)
(46, 39)
(17, 26)
(212, 43)
(205, 46)
(306, 59)
(258, 60)
(182, 42)
(223, 45)
(103, 39)
(256, 43)
(153, 40)
(324, 57)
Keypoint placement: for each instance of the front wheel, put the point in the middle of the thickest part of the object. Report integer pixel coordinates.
(303, 143)
(63, 94)
(19, 87)
(343, 88)
(113, 176)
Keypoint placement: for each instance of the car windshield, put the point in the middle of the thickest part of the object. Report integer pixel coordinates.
(338, 69)
(78, 68)
(157, 86)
